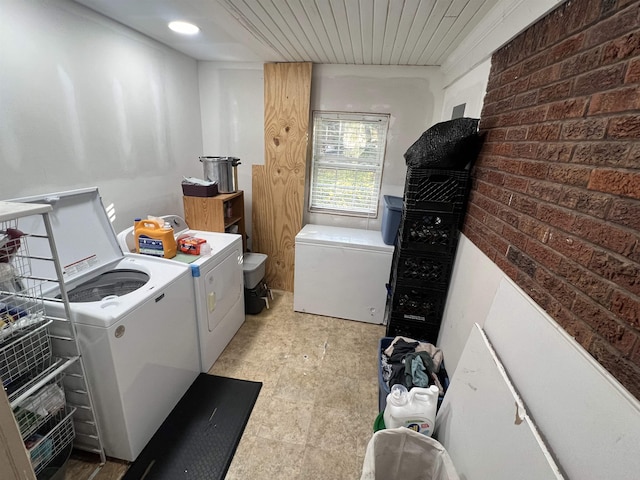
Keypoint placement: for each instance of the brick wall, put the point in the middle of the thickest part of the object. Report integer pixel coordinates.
(556, 193)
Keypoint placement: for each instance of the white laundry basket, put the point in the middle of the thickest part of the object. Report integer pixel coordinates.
(402, 454)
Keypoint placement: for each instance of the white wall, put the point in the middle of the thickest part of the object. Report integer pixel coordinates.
(468, 89)
(232, 104)
(411, 95)
(232, 107)
(86, 101)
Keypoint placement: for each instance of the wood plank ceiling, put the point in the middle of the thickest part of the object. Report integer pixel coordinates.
(361, 32)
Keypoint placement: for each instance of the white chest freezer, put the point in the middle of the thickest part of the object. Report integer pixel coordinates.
(341, 272)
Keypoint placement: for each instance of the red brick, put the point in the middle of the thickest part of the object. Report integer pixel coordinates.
(496, 241)
(559, 290)
(555, 152)
(523, 204)
(589, 129)
(580, 331)
(508, 216)
(626, 308)
(526, 99)
(509, 165)
(626, 184)
(564, 109)
(621, 48)
(571, 247)
(519, 86)
(592, 203)
(557, 91)
(487, 123)
(511, 74)
(595, 287)
(535, 291)
(516, 133)
(549, 192)
(605, 235)
(544, 256)
(532, 115)
(567, 48)
(545, 76)
(622, 272)
(633, 71)
(514, 237)
(534, 169)
(546, 132)
(581, 63)
(496, 135)
(508, 268)
(579, 14)
(502, 149)
(604, 323)
(535, 63)
(603, 153)
(624, 127)
(615, 101)
(525, 150)
(626, 213)
(504, 105)
(511, 118)
(487, 204)
(493, 224)
(554, 216)
(613, 27)
(599, 80)
(517, 184)
(569, 174)
(534, 228)
(626, 373)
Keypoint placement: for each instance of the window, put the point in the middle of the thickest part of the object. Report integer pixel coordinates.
(346, 163)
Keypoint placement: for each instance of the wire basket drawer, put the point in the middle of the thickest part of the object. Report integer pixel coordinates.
(40, 407)
(20, 355)
(51, 439)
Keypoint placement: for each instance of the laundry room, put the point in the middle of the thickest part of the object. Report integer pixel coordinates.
(108, 118)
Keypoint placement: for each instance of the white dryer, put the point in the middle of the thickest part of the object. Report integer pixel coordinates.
(218, 284)
(134, 316)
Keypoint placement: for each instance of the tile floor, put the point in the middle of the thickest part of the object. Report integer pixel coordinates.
(314, 415)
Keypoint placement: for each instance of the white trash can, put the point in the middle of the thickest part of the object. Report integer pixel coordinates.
(402, 454)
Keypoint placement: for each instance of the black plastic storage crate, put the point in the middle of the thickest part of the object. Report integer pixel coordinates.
(440, 190)
(422, 268)
(383, 388)
(430, 231)
(427, 332)
(417, 303)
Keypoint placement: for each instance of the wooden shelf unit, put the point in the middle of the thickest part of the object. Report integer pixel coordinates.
(209, 213)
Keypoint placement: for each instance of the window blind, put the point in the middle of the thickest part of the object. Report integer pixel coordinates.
(347, 159)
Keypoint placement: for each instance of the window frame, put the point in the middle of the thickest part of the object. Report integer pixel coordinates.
(377, 169)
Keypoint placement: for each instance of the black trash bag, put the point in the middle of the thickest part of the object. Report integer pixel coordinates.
(451, 145)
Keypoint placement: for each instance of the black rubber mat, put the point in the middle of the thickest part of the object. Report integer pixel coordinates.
(198, 439)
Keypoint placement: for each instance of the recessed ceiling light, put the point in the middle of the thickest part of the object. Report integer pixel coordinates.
(184, 27)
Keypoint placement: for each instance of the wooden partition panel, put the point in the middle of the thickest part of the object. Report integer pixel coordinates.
(278, 185)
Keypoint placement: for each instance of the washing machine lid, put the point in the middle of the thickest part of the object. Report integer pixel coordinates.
(342, 237)
(83, 234)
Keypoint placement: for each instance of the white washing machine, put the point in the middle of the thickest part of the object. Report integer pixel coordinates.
(134, 316)
(218, 284)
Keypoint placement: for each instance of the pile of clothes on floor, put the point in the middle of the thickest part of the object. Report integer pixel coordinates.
(411, 363)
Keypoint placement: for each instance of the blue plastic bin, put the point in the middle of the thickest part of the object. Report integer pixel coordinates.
(391, 218)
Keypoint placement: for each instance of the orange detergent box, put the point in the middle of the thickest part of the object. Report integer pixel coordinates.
(191, 245)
